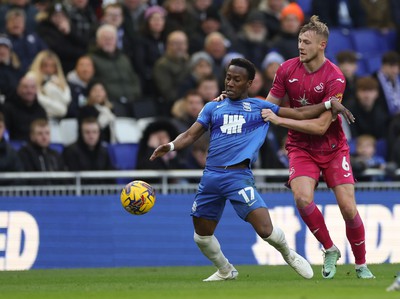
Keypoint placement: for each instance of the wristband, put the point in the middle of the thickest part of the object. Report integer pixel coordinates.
(328, 105)
(171, 146)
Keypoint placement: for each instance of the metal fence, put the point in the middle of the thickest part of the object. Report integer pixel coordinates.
(169, 182)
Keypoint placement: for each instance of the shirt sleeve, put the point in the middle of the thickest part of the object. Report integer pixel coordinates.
(336, 87)
(204, 117)
(278, 86)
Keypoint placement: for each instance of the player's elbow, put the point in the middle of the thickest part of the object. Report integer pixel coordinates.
(321, 130)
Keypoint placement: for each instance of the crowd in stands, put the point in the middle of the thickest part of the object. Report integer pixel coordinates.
(97, 62)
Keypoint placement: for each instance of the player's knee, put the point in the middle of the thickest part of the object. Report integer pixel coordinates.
(202, 240)
(301, 200)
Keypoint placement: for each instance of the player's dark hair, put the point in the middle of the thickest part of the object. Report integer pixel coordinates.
(317, 26)
(246, 64)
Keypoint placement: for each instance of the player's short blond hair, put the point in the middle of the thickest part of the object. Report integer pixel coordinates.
(317, 26)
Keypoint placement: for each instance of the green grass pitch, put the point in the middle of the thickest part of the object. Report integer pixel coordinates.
(186, 282)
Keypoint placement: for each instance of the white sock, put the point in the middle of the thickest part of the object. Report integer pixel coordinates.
(359, 266)
(277, 239)
(211, 248)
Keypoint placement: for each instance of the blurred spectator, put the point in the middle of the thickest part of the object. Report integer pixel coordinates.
(114, 70)
(126, 41)
(133, 14)
(23, 108)
(217, 46)
(236, 13)
(201, 65)
(347, 62)
(9, 159)
(78, 80)
(42, 5)
(88, 152)
(212, 22)
(365, 157)
(394, 139)
(26, 5)
(157, 133)
(59, 34)
(389, 82)
(99, 107)
(171, 69)
(10, 71)
(286, 41)
(369, 115)
(378, 14)
(257, 88)
(36, 155)
(198, 154)
(82, 15)
(340, 13)
(53, 94)
(179, 17)
(198, 9)
(25, 44)
(186, 110)
(269, 66)
(272, 10)
(252, 39)
(150, 47)
(208, 88)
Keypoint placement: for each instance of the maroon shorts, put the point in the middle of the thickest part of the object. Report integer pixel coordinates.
(335, 166)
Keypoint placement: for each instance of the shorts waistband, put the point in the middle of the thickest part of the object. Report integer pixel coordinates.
(241, 165)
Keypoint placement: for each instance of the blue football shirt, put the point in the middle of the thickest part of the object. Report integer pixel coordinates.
(237, 130)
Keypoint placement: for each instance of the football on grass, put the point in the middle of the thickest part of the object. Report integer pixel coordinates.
(138, 197)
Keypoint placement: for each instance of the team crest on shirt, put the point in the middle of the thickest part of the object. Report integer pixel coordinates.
(246, 106)
(338, 96)
(319, 88)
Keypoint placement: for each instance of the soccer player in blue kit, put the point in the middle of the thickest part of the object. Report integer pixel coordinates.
(237, 131)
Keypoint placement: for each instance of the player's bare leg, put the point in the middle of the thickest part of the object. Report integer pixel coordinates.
(261, 222)
(210, 247)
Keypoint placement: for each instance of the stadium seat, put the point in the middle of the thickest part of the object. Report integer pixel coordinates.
(305, 6)
(144, 122)
(370, 42)
(339, 40)
(127, 130)
(123, 155)
(69, 130)
(55, 131)
(58, 147)
(17, 144)
(381, 147)
(373, 63)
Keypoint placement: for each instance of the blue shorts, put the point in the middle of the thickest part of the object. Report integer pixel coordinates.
(218, 185)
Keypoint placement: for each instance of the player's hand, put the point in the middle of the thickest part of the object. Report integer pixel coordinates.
(338, 108)
(160, 151)
(220, 97)
(270, 116)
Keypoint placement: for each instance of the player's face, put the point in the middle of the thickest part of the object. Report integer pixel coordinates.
(237, 82)
(310, 46)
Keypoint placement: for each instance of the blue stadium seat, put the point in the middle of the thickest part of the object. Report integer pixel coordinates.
(339, 40)
(373, 63)
(369, 42)
(305, 6)
(17, 144)
(58, 147)
(123, 155)
(381, 147)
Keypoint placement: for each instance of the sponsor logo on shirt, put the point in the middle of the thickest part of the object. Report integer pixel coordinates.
(232, 124)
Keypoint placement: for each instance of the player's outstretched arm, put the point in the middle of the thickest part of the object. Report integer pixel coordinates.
(183, 140)
(315, 126)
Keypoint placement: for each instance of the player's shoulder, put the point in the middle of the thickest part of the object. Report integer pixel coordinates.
(291, 63)
(334, 69)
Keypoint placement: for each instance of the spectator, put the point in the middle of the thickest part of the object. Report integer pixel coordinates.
(59, 34)
(339, 13)
(150, 47)
(269, 66)
(198, 154)
(114, 70)
(257, 88)
(37, 155)
(236, 12)
(179, 17)
(378, 14)
(208, 88)
(272, 10)
(155, 134)
(88, 152)
(285, 42)
(9, 160)
(10, 71)
(25, 44)
(186, 110)
(201, 65)
(171, 69)
(253, 38)
(198, 9)
(99, 107)
(370, 117)
(217, 46)
(133, 14)
(78, 80)
(389, 82)
(365, 157)
(347, 62)
(54, 94)
(29, 9)
(82, 15)
(23, 108)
